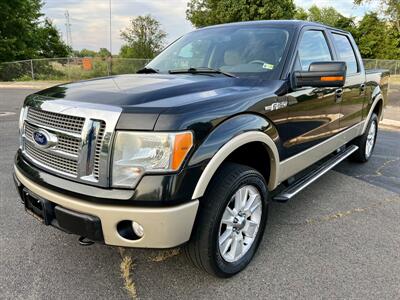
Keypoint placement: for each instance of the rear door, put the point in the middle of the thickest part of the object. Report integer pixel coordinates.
(353, 92)
(313, 112)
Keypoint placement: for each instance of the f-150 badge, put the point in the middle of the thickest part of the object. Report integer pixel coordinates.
(276, 105)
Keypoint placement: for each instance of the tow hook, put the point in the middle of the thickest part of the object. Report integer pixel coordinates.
(83, 241)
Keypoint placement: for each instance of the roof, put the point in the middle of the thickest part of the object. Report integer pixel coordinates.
(288, 23)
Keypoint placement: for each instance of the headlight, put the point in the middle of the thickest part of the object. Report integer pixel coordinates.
(137, 153)
(21, 124)
(21, 119)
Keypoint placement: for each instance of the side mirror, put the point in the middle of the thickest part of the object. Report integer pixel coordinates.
(321, 74)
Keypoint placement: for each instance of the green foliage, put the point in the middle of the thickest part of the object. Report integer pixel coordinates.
(84, 53)
(43, 69)
(50, 42)
(144, 38)
(389, 8)
(103, 53)
(377, 40)
(328, 16)
(127, 52)
(127, 66)
(376, 37)
(18, 27)
(23, 35)
(301, 14)
(10, 72)
(209, 12)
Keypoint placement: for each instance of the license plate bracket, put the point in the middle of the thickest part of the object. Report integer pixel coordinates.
(38, 207)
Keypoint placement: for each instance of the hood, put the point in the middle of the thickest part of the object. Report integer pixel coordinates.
(135, 90)
(143, 97)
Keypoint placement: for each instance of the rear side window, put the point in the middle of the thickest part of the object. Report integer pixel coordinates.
(313, 47)
(346, 52)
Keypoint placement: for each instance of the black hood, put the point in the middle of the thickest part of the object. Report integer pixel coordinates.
(148, 95)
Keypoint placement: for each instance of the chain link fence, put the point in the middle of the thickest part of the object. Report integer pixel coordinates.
(77, 68)
(392, 65)
(71, 68)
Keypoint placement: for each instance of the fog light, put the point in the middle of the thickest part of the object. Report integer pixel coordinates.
(138, 229)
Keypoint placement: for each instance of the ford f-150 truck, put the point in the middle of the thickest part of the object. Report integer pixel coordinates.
(191, 150)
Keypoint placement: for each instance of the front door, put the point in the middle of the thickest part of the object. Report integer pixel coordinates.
(313, 112)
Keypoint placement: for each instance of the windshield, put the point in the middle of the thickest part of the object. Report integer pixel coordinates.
(238, 50)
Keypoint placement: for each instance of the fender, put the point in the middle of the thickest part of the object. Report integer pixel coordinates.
(226, 138)
(375, 98)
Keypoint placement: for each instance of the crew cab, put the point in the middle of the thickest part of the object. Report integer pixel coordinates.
(192, 149)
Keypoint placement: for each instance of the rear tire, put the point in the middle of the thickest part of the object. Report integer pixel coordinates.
(366, 142)
(231, 221)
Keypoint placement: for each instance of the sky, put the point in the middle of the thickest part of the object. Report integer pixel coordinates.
(90, 18)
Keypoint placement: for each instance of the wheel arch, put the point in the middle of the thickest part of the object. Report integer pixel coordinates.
(229, 148)
(376, 107)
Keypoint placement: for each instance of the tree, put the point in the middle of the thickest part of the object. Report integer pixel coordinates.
(50, 43)
(390, 8)
(376, 39)
(103, 53)
(144, 38)
(127, 52)
(85, 53)
(209, 12)
(301, 14)
(328, 16)
(18, 24)
(23, 35)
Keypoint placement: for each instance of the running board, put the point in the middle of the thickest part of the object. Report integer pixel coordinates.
(305, 181)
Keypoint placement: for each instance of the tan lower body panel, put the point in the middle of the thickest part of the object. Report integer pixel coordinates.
(163, 227)
(299, 162)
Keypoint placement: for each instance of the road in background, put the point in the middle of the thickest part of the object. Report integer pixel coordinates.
(339, 238)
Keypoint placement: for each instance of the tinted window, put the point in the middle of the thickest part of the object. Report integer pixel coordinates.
(234, 49)
(313, 47)
(346, 52)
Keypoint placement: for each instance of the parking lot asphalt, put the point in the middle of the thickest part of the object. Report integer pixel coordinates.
(339, 238)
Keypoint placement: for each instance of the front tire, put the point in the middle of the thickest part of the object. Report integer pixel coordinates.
(231, 221)
(366, 142)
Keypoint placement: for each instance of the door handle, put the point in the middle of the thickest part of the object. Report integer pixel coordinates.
(362, 88)
(339, 94)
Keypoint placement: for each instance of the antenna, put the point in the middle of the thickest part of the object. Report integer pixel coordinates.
(68, 29)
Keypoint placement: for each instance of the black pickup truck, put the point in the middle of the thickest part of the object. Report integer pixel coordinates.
(191, 150)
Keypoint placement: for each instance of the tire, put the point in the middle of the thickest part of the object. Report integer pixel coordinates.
(365, 148)
(204, 249)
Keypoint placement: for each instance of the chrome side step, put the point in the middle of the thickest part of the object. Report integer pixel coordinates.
(305, 181)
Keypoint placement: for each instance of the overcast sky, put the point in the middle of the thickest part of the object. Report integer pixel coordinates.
(90, 18)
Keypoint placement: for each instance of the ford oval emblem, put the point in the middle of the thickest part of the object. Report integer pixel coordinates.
(42, 138)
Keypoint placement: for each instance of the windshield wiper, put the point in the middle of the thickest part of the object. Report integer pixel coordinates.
(201, 70)
(146, 70)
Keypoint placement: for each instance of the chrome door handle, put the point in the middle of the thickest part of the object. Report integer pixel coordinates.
(362, 88)
(339, 94)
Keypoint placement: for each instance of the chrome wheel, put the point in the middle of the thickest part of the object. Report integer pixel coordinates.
(370, 139)
(240, 223)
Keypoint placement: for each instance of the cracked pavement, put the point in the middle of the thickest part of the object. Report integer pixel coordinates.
(339, 238)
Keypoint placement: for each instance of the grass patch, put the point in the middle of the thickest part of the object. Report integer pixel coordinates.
(395, 79)
(126, 267)
(165, 254)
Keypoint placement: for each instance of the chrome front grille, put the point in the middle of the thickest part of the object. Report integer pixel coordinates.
(68, 144)
(81, 138)
(56, 120)
(100, 136)
(51, 161)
